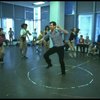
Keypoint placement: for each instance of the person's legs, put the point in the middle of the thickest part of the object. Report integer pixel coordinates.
(87, 48)
(47, 54)
(24, 49)
(81, 48)
(60, 53)
(99, 49)
(1, 53)
(21, 47)
(11, 40)
(84, 46)
(77, 47)
(71, 48)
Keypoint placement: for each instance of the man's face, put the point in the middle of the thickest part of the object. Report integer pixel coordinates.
(25, 27)
(52, 27)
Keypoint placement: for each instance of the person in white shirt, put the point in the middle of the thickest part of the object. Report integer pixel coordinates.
(23, 44)
(87, 43)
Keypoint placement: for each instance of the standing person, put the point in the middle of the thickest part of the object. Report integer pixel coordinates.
(56, 45)
(34, 35)
(37, 44)
(2, 39)
(46, 42)
(72, 39)
(23, 44)
(11, 33)
(46, 29)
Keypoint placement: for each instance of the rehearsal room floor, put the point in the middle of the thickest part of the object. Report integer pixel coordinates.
(29, 78)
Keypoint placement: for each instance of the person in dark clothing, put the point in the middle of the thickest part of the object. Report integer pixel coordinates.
(72, 40)
(98, 44)
(46, 29)
(2, 39)
(46, 43)
(81, 44)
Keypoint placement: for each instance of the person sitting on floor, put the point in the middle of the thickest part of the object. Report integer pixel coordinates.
(92, 49)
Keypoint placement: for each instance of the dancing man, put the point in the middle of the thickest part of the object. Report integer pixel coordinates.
(56, 45)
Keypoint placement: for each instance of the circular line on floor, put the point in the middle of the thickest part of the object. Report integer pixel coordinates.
(72, 87)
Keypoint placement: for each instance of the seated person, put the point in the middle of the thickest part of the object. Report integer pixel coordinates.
(87, 42)
(81, 44)
(98, 44)
(92, 49)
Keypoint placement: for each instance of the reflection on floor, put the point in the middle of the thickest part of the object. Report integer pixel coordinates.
(28, 78)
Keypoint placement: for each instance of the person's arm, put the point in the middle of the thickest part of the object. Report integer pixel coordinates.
(28, 32)
(44, 38)
(12, 32)
(63, 30)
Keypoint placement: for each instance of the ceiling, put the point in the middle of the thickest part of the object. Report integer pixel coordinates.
(26, 3)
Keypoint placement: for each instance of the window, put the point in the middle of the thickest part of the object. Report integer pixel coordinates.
(6, 24)
(37, 21)
(97, 26)
(85, 25)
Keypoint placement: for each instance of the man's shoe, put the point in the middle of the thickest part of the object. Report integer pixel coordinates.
(63, 73)
(1, 60)
(25, 57)
(49, 66)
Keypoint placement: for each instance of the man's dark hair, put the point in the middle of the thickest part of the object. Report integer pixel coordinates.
(1, 29)
(81, 35)
(22, 26)
(46, 27)
(53, 22)
(77, 30)
(35, 29)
